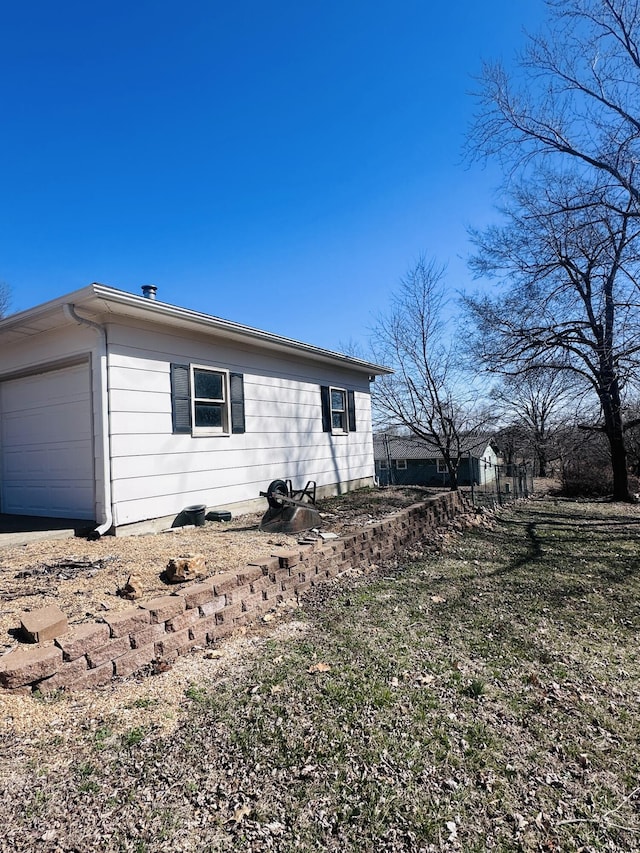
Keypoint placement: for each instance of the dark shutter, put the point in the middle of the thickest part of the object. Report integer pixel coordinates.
(351, 409)
(180, 398)
(236, 382)
(326, 408)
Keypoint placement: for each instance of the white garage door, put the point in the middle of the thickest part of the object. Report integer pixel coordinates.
(47, 444)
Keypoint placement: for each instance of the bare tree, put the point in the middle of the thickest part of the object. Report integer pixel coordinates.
(428, 393)
(532, 403)
(571, 263)
(567, 124)
(5, 298)
(575, 97)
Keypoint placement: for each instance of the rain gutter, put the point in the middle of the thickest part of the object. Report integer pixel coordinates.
(70, 313)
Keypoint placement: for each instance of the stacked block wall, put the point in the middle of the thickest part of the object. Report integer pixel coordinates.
(162, 628)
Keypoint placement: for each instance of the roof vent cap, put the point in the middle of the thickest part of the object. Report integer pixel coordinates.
(149, 291)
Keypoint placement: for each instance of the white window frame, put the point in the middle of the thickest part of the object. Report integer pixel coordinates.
(224, 429)
(344, 430)
(441, 466)
(401, 464)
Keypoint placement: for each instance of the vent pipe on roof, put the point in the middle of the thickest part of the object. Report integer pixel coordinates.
(149, 291)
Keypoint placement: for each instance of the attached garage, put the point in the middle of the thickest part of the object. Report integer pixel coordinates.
(96, 426)
(47, 444)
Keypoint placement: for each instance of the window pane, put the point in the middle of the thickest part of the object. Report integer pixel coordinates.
(337, 400)
(337, 420)
(208, 385)
(209, 415)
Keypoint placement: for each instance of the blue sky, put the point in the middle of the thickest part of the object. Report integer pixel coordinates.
(280, 164)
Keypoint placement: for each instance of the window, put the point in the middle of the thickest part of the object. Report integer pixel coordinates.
(338, 410)
(206, 400)
(209, 404)
(442, 467)
(401, 464)
(383, 464)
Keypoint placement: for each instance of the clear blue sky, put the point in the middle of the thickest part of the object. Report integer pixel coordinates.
(280, 163)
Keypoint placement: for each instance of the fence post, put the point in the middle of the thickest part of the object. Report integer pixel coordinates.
(472, 480)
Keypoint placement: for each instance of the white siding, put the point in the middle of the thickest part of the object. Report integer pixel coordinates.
(47, 444)
(156, 473)
(46, 351)
(488, 463)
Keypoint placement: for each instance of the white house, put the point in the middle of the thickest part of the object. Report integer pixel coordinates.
(118, 409)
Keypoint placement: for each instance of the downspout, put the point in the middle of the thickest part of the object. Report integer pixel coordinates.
(70, 313)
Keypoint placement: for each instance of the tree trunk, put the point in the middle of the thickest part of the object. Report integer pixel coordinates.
(611, 407)
(542, 462)
(619, 468)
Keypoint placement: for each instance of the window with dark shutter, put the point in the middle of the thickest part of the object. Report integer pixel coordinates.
(206, 401)
(338, 410)
(236, 393)
(326, 408)
(180, 398)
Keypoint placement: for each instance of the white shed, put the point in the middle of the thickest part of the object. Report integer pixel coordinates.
(118, 409)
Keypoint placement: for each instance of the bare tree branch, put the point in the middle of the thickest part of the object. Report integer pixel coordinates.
(571, 265)
(5, 298)
(428, 394)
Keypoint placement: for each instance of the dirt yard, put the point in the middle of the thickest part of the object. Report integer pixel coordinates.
(83, 577)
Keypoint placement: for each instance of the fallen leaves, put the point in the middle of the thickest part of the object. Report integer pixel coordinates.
(240, 813)
(382, 733)
(319, 667)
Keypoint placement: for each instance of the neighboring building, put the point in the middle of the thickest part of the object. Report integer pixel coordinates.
(116, 408)
(409, 460)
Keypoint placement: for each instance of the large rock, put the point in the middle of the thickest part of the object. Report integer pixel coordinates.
(185, 568)
(132, 589)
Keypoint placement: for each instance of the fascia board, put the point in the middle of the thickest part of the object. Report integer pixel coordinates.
(102, 301)
(139, 307)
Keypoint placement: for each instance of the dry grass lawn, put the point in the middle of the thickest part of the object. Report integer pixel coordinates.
(484, 697)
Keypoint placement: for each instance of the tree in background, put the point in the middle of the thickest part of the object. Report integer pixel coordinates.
(5, 299)
(430, 393)
(575, 100)
(569, 134)
(572, 304)
(531, 405)
(585, 463)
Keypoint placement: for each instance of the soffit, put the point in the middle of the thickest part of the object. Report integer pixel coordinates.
(101, 304)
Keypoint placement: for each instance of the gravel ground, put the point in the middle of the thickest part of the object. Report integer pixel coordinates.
(42, 573)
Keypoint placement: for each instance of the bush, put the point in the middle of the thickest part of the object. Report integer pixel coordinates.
(586, 465)
(586, 480)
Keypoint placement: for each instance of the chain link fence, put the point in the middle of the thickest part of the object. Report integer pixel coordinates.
(510, 483)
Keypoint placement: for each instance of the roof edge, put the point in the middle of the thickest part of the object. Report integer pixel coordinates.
(96, 295)
(156, 306)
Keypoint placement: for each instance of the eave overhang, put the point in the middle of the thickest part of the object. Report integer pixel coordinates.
(101, 303)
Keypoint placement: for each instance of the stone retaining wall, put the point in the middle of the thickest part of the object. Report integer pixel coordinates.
(160, 629)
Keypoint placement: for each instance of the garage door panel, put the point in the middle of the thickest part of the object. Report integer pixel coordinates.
(47, 444)
(33, 499)
(44, 462)
(46, 428)
(34, 392)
